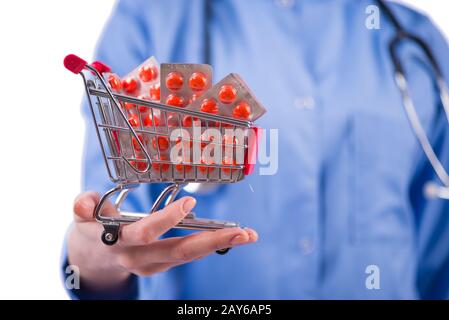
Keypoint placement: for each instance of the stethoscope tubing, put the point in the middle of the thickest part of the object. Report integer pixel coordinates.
(431, 189)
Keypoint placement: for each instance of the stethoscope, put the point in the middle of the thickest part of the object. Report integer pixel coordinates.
(431, 190)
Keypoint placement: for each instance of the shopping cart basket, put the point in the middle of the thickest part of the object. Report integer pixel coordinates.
(119, 140)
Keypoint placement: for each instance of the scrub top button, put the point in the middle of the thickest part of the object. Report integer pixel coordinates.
(302, 103)
(306, 245)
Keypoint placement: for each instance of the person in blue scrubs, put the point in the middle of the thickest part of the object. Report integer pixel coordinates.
(344, 216)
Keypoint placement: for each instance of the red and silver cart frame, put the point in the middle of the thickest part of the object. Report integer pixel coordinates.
(116, 134)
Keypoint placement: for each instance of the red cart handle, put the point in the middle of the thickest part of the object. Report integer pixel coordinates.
(101, 67)
(75, 64)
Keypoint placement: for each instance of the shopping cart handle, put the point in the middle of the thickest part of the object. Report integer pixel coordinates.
(74, 63)
(101, 67)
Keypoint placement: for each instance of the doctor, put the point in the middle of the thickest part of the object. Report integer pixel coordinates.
(344, 216)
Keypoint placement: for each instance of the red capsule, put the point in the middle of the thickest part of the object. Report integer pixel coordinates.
(161, 166)
(143, 109)
(188, 121)
(155, 92)
(130, 85)
(151, 120)
(175, 100)
(206, 161)
(140, 164)
(174, 81)
(242, 111)
(147, 73)
(198, 81)
(227, 94)
(129, 106)
(136, 143)
(115, 82)
(134, 120)
(162, 142)
(209, 106)
(181, 167)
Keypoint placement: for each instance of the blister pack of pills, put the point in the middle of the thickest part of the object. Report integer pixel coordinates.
(182, 83)
(230, 97)
(143, 81)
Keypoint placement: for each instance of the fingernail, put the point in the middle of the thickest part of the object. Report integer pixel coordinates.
(188, 205)
(253, 236)
(237, 240)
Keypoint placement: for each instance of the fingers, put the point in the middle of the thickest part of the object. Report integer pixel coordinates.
(152, 227)
(176, 251)
(201, 244)
(84, 207)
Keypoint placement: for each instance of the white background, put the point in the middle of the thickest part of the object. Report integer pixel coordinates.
(42, 133)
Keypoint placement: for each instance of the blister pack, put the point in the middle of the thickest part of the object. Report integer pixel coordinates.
(143, 81)
(230, 97)
(182, 83)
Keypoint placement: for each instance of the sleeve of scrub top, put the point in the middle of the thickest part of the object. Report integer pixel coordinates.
(124, 44)
(432, 215)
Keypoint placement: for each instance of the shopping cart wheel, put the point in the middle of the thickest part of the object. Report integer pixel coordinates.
(223, 251)
(110, 234)
(108, 238)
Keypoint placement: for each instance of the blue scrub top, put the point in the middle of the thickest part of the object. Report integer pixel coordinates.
(348, 190)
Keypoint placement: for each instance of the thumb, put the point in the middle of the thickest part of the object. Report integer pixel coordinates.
(84, 206)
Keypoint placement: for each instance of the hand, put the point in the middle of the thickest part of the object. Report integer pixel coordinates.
(139, 250)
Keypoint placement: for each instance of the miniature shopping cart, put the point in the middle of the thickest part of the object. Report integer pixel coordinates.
(128, 170)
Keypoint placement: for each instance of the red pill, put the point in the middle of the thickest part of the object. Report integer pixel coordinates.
(206, 169)
(130, 85)
(227, 94)
(147, 73)
(181, 167)
(209, 106)
(129, 106)
(188, 121)
(115, 82)
(151, 120)
(143, 108)
(242, 111)
(162, 142)
(175, 100)
(140, 164)
(174, 81)
(134, 120)
(161, 166)
(213, 124)
(136, 144)
(197, 81)
(155, 92)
